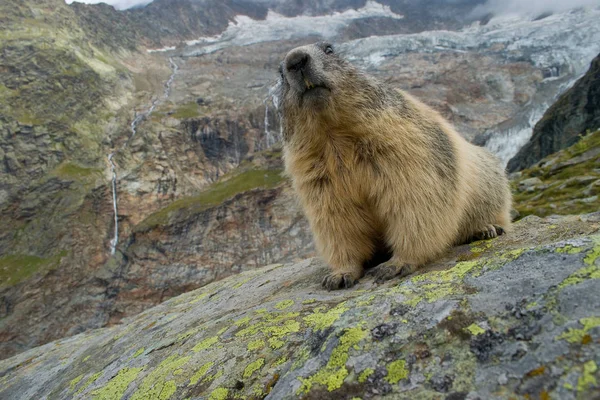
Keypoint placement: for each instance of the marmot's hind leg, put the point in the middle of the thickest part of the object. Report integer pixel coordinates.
(488, 232)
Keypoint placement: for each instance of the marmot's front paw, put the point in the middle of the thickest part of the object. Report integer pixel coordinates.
(489, 232)
(391, 269)
(338, 280)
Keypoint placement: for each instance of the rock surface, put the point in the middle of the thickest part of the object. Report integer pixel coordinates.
(570, 118)
(515, 317)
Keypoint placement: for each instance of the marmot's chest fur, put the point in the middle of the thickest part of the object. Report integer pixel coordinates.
(374, 165)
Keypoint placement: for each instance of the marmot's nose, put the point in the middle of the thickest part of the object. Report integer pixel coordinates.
(297, 61)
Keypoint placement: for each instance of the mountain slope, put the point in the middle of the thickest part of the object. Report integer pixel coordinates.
(576, 112)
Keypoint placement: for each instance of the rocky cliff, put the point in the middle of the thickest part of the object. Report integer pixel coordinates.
(515, 317)
(575, 114)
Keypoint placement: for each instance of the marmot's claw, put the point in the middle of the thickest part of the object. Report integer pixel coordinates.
(499, 230)
(389, 270)
(335, 281)
(490, 232)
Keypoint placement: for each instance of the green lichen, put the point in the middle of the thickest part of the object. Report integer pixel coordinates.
(475, 330)
(396, 371)
(309, 301)
(86, 358)
(275, 343)
(242, 283)
(587, 379)
(116, 387)
(256, 345)
(568, 249)
(282, 305)
(219, 394)
(242, 321)
(365, 302)
(435, 292)
(278, 331)
(577, 335)
(323, 320)
(332, 375)
(253, 367)
(205, 344)
(74, 382)
(585, 273)
(592, 256)
(156, 385)
(200, 373)
(280, 361)
(139, 352)
(198, 298)
(362, 378)
(90, 380)
(187, 334)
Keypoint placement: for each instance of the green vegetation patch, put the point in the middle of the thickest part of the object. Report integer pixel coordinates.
(214, 195)
(185, 111)
(15, 268)
(565, 180)
(72, 171)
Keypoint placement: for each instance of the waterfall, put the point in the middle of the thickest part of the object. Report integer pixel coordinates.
(115, 240)
(268, 136)
(133, 127)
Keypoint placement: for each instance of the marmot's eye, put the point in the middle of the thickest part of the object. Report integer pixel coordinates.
(328, 50)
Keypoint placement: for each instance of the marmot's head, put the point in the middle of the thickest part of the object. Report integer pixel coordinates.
(316, 84)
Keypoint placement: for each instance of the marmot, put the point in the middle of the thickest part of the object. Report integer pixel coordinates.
(375, 168)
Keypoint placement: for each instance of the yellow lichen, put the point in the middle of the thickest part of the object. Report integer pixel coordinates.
(256, 345)
(587, 379)
(74, 382)
(198, 298)
(219, 394)
(577, 335)
(280, 361)
(90, 380)
(362, 378)
(396, 371)
(332, 375)
(323, 320)
(200, 373)
(156, 385)
(475, 329)
(275, 343)
(139, 352)
(205, 344)
(253, 367)
(116, 387)
(282, 305)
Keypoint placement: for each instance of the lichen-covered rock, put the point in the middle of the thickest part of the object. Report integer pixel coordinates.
(516, 317)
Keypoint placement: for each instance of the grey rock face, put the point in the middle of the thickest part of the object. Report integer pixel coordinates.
(512, 317)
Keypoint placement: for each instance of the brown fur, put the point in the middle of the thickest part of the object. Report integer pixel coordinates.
(375, 167)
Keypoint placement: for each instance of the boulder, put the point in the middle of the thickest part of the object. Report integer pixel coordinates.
(518, 316)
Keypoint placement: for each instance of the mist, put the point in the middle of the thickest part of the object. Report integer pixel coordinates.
(532, 7)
